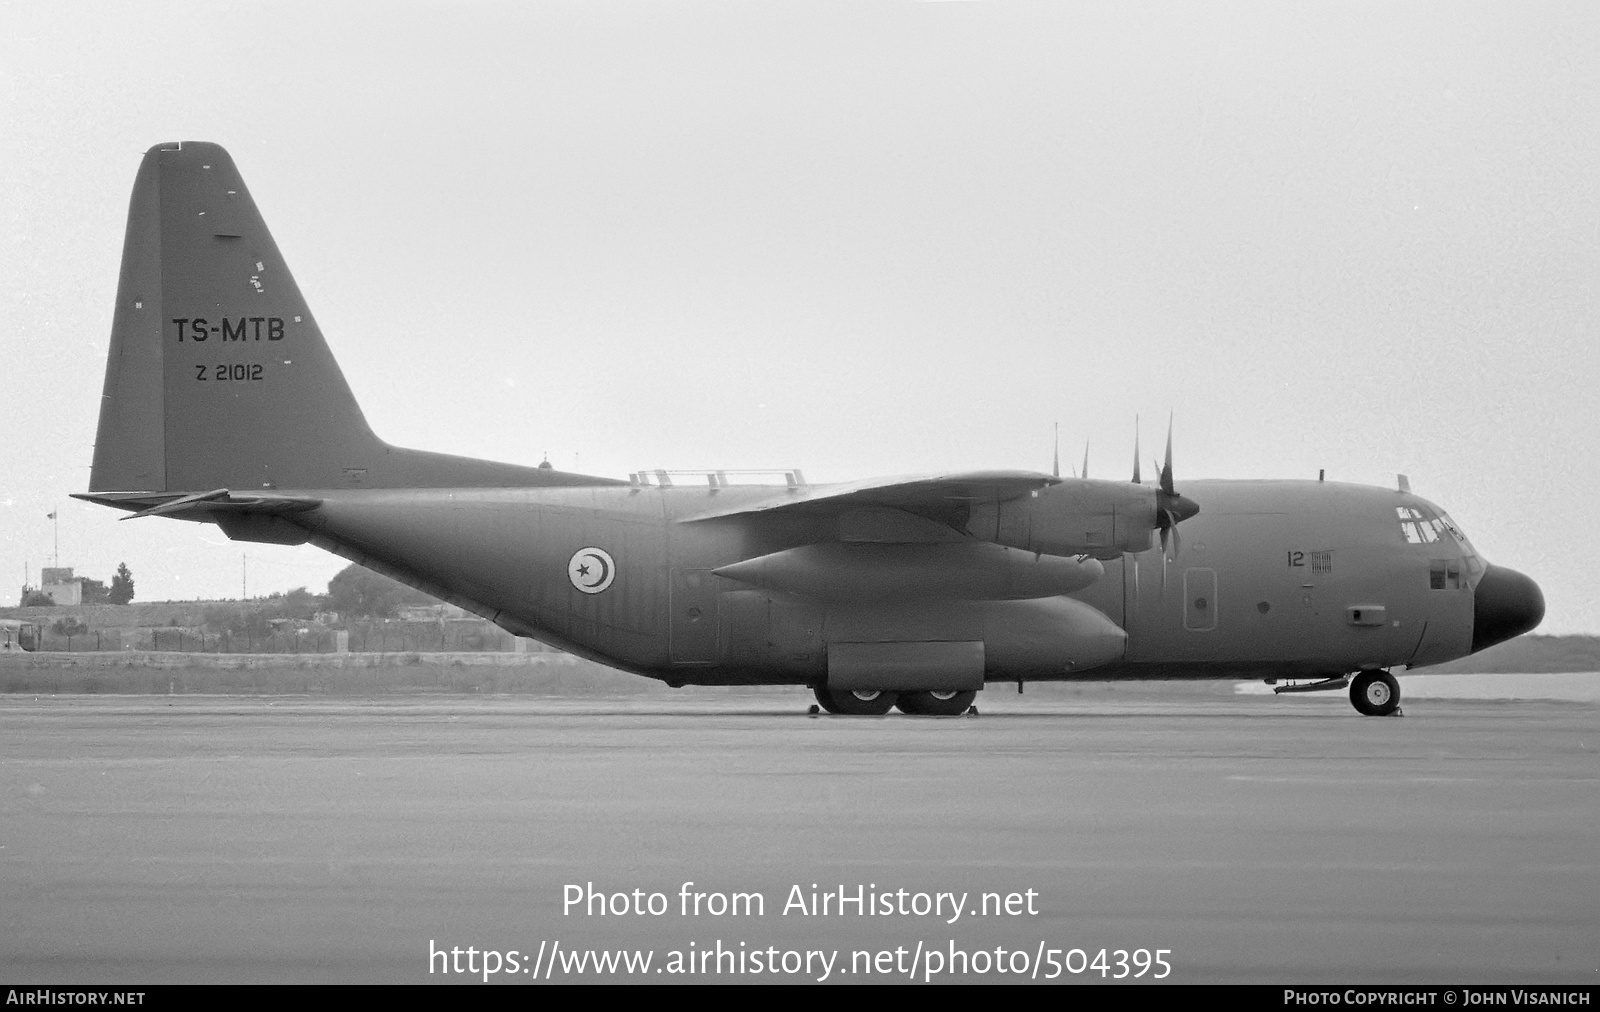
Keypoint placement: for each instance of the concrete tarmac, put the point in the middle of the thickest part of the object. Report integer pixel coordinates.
(1258, 839)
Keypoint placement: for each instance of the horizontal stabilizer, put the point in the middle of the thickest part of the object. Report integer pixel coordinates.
(179, 503)
(201, 505)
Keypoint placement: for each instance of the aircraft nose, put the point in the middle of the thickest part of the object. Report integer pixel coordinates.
(1505, 604)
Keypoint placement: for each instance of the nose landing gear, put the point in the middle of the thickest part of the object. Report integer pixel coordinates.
(1375, 693)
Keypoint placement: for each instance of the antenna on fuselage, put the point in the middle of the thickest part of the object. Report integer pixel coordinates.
(1055, 467)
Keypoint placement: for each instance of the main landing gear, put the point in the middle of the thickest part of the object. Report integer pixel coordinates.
(936, 704)
(1375, 693)
(858, 702)
(876, 702)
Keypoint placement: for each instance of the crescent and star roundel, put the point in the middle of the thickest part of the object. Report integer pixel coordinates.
(591, 570)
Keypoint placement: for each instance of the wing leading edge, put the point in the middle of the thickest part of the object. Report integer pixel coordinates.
(937, 497)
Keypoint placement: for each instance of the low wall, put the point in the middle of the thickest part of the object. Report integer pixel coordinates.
(102, 660)
(145, 672)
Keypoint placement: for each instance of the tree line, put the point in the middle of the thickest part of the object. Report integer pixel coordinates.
(354, 593)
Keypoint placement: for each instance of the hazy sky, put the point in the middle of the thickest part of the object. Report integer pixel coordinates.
(858, 238)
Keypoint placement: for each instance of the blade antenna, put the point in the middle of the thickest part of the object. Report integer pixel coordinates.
(1055, 469)
(1086, 458)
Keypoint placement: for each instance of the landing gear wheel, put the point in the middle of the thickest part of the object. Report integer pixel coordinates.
(1375, 693)
(859, 702)
(929, 703)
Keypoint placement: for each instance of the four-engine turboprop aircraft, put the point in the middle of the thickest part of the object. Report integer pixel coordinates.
(224, 405)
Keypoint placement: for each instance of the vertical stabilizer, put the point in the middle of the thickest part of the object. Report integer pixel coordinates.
(218, 376)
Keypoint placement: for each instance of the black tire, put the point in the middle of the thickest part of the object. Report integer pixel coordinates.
(942, 703)
(1375, 693)
(860, 703)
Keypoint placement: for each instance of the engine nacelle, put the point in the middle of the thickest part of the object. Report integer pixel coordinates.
(973, 571)
(1079, 516)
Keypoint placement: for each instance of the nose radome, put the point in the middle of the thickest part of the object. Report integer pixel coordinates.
(1505, 604)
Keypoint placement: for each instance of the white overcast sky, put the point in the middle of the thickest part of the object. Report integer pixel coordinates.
(858, 238)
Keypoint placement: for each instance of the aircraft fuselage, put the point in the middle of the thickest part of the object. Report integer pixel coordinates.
(1274, 578)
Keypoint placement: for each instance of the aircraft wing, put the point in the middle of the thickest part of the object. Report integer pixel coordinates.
(937, 496)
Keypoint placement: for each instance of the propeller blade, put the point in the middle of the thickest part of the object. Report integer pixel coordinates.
(1169, 526)
(1136, 449)
(1166, 470)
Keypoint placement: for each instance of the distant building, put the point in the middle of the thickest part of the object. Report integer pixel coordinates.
(58, 584)
(429, 612)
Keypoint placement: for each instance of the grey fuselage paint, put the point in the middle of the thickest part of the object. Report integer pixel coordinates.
(1273, 612)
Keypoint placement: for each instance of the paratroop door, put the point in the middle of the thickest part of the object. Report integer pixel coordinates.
(694, 616)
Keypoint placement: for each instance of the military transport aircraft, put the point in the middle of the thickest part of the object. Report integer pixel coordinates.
(224, 405)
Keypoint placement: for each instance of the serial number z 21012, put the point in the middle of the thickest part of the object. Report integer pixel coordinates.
(229, 372)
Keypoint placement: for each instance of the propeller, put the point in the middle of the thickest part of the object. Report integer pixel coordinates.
(1172, 509)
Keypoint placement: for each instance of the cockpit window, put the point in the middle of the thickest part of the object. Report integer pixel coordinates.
(1418, 527)
(1445, 574)
(1474, 564)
